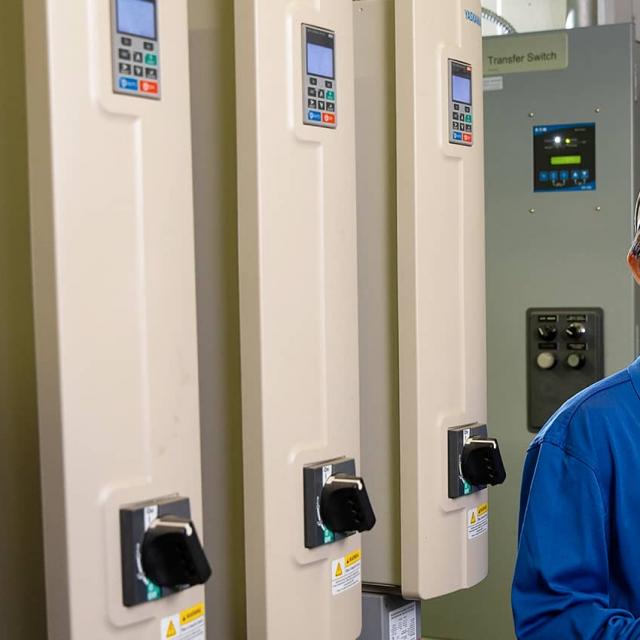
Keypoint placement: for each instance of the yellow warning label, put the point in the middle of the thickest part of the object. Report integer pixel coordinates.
(352, 558)
(339, 570)
(473, 517)
(189, 615)
(483, 509)
(171, 631)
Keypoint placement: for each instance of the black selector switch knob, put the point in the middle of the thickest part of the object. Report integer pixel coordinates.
(345, 506)
(576, 330)
(172, 555)
(481, 462)
(547, 332)
(576, 360)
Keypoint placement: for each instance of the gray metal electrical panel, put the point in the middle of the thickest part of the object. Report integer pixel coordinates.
(561, 173)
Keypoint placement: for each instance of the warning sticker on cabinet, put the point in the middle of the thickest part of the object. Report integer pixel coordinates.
(402, 623)
(478, 521)
(186, 625)
(346, 572)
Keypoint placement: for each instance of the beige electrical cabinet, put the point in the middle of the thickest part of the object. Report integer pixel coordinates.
(422, 294)
(114, 295)
(298, 315)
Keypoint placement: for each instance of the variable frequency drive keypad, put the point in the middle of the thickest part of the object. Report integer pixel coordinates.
(319, 100)
(136, 56)
(460, 122)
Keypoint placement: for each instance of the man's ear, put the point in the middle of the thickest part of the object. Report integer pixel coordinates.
(633, 259)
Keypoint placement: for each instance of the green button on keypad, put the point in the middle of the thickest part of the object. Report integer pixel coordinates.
(331, 95)
(151, 58)
(467, 118)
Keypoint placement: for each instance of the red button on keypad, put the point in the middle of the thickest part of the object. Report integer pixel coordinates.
(328, 118)
(148, 87)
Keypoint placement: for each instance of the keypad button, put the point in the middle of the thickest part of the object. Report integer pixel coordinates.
(151, 73)
(331, 106)
(149, 87)
(456, 107)
(311, 92)
(312, 103)
(320, 93)
(151, 59)
(149, 46)
(457, 135)
(455, 115)
(467, 127)
(137, 71)
(313, 81)
(467, 137)
(328, 118)
(137, 56)
(455, 125)
(467, 109)
(468, 118)
(314, 116)
(331, 95)
(124, 54)
(321, 104)
(125, 68)
(126, 42)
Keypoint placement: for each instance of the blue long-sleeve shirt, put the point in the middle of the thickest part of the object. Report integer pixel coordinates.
(577, 573)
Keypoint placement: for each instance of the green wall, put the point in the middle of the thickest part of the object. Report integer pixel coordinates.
(22, 603)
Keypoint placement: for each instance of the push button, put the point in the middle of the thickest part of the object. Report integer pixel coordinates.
(457, 135)
(128, 84)
(151, 58)
(321, 104)
(149, 46)
(312, 103)
(125, 68)
(137, 56)
(124, 54)
(126, 42)
(467, 127)
(456, 107)
(331, 106)
(138, 71)
(328, 84)
(328, 118)
(467, 137)
(331, 95)
(311, 92)
(467, 109)
(149, 87)
(543, 176)
(313, 81)
(151, 73)
(456, 115)
(314, 116)
(320, 93)
(455, 125)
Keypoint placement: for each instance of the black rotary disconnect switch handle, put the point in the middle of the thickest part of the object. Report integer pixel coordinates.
(345, 506)
(172, 555)
(482, 463)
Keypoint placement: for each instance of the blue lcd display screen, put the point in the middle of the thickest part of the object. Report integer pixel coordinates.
(461, 89)
(137, 18)
(319, 60)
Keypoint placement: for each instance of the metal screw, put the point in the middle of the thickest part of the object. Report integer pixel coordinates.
(532, 210)
(531, 114)
(597, 109)
(598, 208)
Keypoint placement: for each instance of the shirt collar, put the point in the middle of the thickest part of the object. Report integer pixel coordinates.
(634, 374)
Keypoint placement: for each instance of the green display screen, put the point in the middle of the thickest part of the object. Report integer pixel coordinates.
(564, 160)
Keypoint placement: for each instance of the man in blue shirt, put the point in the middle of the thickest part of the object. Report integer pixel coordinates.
(577, 574)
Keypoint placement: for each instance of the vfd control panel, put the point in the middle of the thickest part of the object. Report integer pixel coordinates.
(565, 354)
(460, 121)
(319, 99)
(135, 45)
